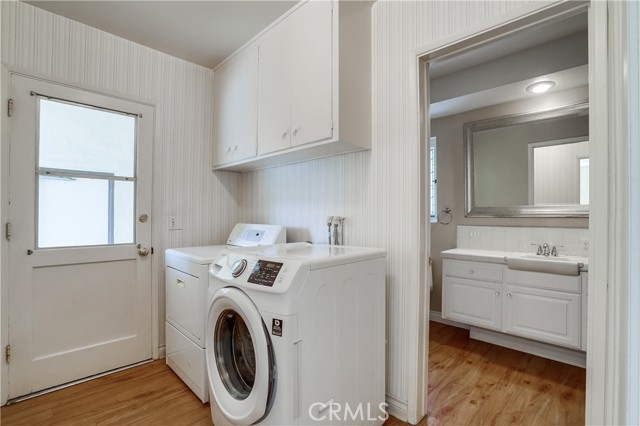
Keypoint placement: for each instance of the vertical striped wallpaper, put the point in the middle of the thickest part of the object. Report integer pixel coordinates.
(48, 44)
(376, 191)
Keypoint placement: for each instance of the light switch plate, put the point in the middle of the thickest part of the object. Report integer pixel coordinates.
(175, 223)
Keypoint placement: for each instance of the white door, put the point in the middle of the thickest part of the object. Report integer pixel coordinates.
(235, 115)
(80, 201)
(550, 316)
(472, 302)
(311, 109)
(274, 88)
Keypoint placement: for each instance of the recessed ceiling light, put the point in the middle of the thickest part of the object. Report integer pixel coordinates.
(541, 87)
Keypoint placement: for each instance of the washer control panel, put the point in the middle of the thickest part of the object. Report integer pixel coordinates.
(265, 273)
(238, 267)
(255, 272)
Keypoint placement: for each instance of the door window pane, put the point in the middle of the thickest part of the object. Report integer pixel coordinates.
(86, 176)
(75, 137)
(73, 212)
(123, 212)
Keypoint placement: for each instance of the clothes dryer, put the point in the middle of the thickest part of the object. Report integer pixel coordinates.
(186, 284)
(296, 335)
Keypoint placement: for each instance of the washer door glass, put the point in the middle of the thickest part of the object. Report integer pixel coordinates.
(240, 358)
(235, 354)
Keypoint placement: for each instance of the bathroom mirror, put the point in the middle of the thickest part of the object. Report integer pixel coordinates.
(529, 165)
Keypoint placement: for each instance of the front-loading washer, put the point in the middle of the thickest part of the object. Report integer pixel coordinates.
(296, 335)
(186, 282)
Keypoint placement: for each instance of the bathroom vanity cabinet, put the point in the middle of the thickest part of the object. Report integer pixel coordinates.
(545, 307)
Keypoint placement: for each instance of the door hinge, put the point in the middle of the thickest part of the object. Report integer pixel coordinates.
(7, 354)
(7, 231)
(10, 107)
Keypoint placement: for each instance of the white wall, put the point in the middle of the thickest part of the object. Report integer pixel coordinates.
(50, 45)
(376, 191)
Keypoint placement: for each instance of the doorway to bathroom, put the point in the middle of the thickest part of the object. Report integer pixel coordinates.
(523, 89)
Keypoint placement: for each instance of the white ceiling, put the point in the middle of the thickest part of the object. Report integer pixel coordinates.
(474, 66)
(565, 80)
(202, 32)
(508, 45)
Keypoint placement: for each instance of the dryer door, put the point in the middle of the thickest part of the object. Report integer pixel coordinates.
(240, 362)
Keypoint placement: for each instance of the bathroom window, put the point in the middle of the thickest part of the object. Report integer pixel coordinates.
(433, 181)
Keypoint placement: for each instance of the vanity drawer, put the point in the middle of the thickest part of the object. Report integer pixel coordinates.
(472, 270)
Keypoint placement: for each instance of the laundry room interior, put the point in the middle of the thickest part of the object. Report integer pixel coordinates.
(319, 212)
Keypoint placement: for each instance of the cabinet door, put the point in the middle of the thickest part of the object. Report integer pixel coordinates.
(274, 99)
(236, 108)
(311, 88)
(472, 302)
(546, 315)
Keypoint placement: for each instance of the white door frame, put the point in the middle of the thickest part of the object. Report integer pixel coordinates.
(609, 389)
(5, 72)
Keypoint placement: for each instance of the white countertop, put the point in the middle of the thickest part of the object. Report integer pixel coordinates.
(495, 256)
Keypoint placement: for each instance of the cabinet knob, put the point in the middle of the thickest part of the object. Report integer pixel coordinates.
(228, 149)
(295, 130)
(497, 293)
(285, 133)
(235, 148)
(508, 295)
(471, 271)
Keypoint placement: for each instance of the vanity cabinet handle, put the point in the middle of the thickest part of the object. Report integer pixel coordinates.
(497, 293)
(471, 271)
(508, 295)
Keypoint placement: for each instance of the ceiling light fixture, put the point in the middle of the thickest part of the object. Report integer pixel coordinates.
(541, 87)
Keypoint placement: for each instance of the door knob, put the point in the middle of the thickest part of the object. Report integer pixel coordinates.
(142, 251)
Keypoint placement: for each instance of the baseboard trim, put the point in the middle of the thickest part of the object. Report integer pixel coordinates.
(397, 408)
(544, 350)
(436, 316)
(162, 352)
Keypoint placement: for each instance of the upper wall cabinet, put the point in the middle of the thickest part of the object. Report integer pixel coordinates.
(235, 114)
(295, 77)
(313, 84)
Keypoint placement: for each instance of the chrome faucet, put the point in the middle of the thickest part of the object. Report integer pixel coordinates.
(539, 251)
(554, 251)
(545, 249)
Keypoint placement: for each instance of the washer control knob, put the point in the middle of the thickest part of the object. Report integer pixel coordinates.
(238, 267)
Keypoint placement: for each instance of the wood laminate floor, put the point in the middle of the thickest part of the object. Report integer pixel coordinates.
(470, 383)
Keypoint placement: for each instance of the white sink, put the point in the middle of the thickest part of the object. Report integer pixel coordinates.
(547, 264)
(545, 258)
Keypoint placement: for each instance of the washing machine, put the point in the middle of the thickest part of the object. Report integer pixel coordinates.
(295, 335)
(187, 279)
